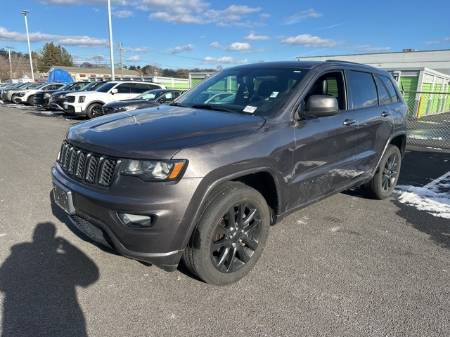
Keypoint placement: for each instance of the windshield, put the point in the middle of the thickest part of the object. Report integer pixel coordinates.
(259, 91)
(149, 95)
(105, 87)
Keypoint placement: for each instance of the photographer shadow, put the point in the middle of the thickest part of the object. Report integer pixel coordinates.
(39, 280)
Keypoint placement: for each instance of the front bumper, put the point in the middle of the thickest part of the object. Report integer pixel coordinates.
(56, 104)
(97, 209)
(74, 109)
(40, 100)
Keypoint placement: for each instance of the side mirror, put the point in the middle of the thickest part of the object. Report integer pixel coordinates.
(114, 91)
(322, 106)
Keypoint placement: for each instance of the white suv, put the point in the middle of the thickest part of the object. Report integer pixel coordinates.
(26, 96)
(90, 103)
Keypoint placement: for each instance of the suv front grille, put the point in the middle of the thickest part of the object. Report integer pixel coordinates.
(86, 166)
(70, 99)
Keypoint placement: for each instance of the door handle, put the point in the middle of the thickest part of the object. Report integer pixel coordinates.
(349, 122)
(385, 114)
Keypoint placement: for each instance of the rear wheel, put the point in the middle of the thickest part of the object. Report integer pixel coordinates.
(384, 181)
(231, 235)
(94, 110)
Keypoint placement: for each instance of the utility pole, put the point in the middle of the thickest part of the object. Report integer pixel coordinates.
(25, 15)
(10, 63)
(121, 50)
(111, 50)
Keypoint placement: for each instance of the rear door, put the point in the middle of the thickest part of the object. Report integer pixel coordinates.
(125, 91)
(373, 121)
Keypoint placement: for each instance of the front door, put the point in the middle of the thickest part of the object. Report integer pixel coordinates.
(324, 150)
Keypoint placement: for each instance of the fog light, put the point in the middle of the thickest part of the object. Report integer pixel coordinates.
(136, 220)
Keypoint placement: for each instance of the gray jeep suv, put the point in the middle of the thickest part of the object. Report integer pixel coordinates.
(201, 180)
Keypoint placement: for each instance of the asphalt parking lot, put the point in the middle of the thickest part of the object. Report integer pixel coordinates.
(347, 266)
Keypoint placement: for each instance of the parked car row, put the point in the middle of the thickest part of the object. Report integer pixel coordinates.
(89, 99)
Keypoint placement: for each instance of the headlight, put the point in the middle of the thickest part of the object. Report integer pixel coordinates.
(47, 95)
(81, 99)
(154, 170)
(20, 94)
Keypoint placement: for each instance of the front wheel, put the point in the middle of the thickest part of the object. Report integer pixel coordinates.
(230, 236)
(30, 100)
(384, 181)
(94, 110)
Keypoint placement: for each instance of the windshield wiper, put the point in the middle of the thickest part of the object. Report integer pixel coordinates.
(216, 107)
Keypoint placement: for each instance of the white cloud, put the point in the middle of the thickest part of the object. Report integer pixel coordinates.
(216, 44)
(180, 11)
(223, 60)
(255, 37)
(70, 40)
(134, 58)
(239, 46)
(123, 13)
(181, 49)
(303, 15)
(83, 2)
(196, 12)
(308, 40)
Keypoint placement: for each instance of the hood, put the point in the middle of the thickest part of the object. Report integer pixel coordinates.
(159, 132)
(131, 102)
(84, 93)
(61, 92)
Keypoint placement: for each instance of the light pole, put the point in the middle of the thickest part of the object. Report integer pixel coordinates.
(10, 63)
(111, 50)
(25, 15)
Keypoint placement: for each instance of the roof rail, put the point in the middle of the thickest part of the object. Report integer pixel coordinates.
(341, 61)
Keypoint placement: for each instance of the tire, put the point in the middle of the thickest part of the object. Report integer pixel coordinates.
(385, 179)
(222, 251)
(30, 100)
(94, 110)
(15, 99)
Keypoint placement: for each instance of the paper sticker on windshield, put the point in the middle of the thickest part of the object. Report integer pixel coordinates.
(274, 94)
(250, 109)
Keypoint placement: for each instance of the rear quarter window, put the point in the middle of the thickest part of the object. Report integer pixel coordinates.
(390, 88)
(363, 92)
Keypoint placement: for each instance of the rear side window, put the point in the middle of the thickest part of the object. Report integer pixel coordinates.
(390, 88)
(124, 88)
(363, 92)
(383, 94)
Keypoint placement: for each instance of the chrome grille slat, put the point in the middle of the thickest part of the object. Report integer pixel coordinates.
(86, 166)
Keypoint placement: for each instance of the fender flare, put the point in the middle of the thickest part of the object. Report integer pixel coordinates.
(192, 216)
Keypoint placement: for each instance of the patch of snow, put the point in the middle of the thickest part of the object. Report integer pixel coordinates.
(433, 198)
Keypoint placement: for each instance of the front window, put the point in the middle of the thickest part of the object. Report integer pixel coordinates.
(106, 87)
(250, 90)
(149, 95)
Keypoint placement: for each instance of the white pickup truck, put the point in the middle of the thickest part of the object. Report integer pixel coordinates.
(90, 103)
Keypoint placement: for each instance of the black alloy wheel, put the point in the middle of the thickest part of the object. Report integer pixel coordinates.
(236, 238)
(385, 179)
(390, 172)
(230, 235)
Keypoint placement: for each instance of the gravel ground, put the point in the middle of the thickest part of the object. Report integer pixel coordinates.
(347, 266)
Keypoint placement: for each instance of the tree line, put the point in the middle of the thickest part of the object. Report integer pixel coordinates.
(56, 55)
